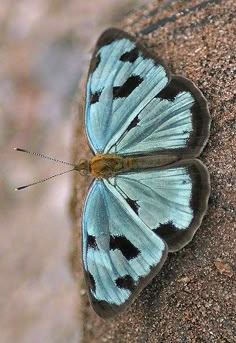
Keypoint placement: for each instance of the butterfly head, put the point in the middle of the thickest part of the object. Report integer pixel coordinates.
(83, 167)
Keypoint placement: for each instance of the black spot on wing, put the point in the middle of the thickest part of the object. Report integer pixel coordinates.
(125, 246)
(165, 230)
(94, 97)
(91, 241)
(95, 63)
(125, 282)
(130, 56)
(169, 233)
(128, 87)
(133, 123)
(133, 204)
(91, 281)
(168, 93)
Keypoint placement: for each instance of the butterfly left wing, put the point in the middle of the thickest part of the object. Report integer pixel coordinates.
(120, 253)
(170, 200)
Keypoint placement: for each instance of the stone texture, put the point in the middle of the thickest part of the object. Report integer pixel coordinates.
(191, 300)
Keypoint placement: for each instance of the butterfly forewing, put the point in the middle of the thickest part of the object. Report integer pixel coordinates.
(120, 253)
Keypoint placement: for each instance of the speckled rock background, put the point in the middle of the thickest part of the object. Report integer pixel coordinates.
(191, 300)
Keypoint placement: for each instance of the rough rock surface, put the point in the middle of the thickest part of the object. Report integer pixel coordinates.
(191, 300)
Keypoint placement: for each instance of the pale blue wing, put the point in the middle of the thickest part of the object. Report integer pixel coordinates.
(123, 78)
(171, 200)
(120, 253)
(176, 121)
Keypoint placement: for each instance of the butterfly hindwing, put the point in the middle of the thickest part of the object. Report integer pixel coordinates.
(120, 253)
(170, 200)
(176, 120)
(123, 78)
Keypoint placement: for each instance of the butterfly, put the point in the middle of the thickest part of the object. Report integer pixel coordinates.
(145, 128)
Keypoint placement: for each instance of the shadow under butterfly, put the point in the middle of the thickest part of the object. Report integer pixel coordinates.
(150, 193)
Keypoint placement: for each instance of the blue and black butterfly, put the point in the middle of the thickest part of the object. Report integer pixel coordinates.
(145, 127)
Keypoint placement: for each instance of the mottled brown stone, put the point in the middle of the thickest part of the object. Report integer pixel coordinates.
(191, 300)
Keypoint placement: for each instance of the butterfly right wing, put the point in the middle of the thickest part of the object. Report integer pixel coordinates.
(120, 253)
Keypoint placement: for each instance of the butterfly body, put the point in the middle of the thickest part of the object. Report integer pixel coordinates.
(107, 165)
(146, 129)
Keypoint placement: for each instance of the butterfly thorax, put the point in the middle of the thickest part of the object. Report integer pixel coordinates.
(106, 165)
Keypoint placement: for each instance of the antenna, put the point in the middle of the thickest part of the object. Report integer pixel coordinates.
(75, 167)
(43, 156)
(43, 180)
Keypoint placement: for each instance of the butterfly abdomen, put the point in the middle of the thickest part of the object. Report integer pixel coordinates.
(134, 163)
